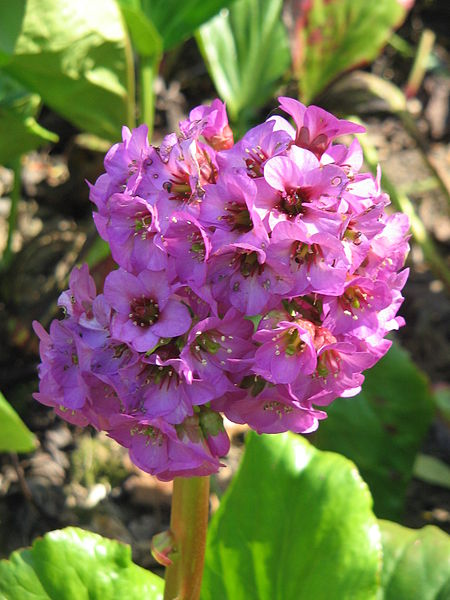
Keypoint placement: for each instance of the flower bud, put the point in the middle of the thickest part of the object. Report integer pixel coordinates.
(212, 427)
(161, 546)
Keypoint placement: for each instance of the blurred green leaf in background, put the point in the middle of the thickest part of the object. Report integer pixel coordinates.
(382, 428)
(14, 434)
(77, 57)
(246, 51)
(329, 37)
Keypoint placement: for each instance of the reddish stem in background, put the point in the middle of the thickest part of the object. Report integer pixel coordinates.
(188, 524)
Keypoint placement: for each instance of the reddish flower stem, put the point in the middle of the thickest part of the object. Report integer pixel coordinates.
(188, 524)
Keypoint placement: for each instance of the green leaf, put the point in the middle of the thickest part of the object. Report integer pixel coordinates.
(14, 434)
(76, 56)
(416, 563)
(295, 524)
(176, 21)
(382, 428)
(432, 470)
(71, 564)
(331, 36)
(144, 35)
(442, 401)
(246, 51)
(20, 131)
(10, 25)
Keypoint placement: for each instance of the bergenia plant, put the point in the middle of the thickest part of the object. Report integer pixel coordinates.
(255, 280)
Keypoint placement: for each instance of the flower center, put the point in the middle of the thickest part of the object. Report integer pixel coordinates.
(354, 299)
(179, 188)
(237, 217)
(250, 265)
(160, 375)
(255, 157)
(142, 223)
(197, 248)
(292, 342)
(153, 435)
(328, 363)
(302, 253)
(206, 342)
(291, 202)
(254, 383)
(144, 311)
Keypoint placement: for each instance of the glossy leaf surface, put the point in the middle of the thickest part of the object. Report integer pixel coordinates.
(76, 56)
(295, 524)
(416, 564)
(71, 564)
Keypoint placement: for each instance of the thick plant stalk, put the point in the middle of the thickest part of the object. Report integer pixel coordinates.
(188, 525)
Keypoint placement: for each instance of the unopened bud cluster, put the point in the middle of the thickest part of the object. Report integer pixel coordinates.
(255, 280)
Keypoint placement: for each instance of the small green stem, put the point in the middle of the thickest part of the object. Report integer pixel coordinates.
(148, 68)
(420, 64)
(12, 219)
(188, 524)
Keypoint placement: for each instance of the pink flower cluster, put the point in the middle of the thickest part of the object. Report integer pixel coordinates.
(256, 280)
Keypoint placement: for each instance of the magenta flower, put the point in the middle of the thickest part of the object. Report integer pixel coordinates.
(211, 122)
(256, 279)
(187, 243)
(145, 310)
(316, 128)
(132, 230)
(286, 352)
(162, 450)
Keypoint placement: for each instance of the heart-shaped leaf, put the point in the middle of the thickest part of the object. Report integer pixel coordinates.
(77, 57)
(246, 51)
(71, 564)
(331, 36)
(382, 428)
(14, 434)
(416, 563)
(296, 524)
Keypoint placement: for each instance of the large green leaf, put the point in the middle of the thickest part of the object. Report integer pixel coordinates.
(20, 131)
(177, 20)
(76, 56)
(247, 52)
(72, 564)
(382, 428)
(416, 563)
(331, 36)
(14, 434)
(296, 524)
